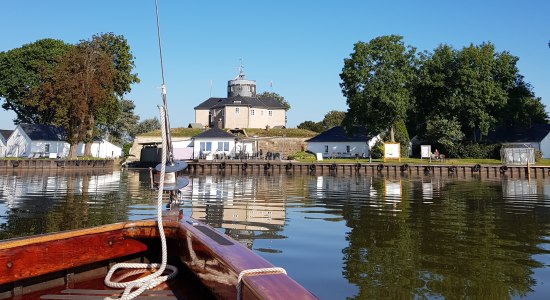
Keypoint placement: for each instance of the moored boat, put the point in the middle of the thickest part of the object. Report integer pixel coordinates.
(73, 264)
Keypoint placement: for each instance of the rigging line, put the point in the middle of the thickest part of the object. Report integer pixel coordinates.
(163, 87)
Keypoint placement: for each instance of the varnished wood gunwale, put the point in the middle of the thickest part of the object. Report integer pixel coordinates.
(218, 266)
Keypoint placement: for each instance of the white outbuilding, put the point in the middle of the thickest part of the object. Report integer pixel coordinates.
(36, 140)
(337, 143)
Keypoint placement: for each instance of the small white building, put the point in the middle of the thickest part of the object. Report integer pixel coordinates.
(101, 148)
(34, 140)
(4, 136)
(537, 136)
(217, 143)
(336, 143)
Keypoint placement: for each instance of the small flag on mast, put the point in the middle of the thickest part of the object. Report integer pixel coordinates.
(271, 83)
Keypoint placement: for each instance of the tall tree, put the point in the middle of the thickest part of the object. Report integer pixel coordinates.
(119, 131)
(81, 86)
(333, 118)
(118, 49)
(484, 77)
(24, 69)
(376, 80)
(523, 108)
(275, 97)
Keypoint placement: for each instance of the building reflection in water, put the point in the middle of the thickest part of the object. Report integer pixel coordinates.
(238, 206)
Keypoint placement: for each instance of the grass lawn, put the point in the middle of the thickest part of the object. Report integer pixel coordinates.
(412, 161)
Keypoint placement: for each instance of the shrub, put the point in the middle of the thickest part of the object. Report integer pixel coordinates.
(377, 151)
(474, 151)
(302, 155)
(538, 155)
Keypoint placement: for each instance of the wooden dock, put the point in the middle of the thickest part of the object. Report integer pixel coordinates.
(318, 168)
(16, 164)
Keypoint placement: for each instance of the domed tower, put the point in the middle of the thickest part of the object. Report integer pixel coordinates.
(240, 86)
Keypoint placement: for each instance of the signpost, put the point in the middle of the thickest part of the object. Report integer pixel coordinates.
(426, 152)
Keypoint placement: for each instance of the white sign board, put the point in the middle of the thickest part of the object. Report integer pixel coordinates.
(391, 151)
(425, 151)
(319, 156)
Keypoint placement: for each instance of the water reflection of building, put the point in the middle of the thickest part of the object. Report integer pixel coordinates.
(518, 187)
(234, 204)
(13, 187)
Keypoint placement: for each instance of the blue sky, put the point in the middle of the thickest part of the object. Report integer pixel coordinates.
(298, 45)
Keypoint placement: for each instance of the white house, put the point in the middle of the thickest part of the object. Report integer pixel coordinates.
(36, 140)
(4, 136)
(218, 143)
(536, 136)
(335, 142)
(101, 148)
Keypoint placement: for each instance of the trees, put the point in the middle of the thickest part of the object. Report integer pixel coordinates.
(310, 125)
(24, 69)
(275, 97)
(82, 86)
(333, 118)
(120, 131)
(79, 87)
(144, 126)
(474, 82)
(376, 80)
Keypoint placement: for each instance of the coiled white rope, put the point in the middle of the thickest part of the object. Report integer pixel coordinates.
(254, 272)
(152, 280)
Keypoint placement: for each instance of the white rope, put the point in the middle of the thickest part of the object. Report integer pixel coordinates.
(152, 280)
(254, 272)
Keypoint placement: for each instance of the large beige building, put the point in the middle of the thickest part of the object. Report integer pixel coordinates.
(241, 109)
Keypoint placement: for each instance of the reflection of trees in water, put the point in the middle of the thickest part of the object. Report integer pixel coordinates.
(67, 201)
(458, 247)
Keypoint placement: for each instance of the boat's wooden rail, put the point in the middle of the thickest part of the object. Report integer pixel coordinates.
(214, 258)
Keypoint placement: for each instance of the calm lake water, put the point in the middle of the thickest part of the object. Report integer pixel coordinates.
(355, 237)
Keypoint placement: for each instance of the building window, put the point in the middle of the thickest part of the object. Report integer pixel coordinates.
(348, 149)
(223, 146)
(252, 112)
(270, 113)
(47, 148)
(326, 148)
(206, 146)
(237, 109)
(237, 101)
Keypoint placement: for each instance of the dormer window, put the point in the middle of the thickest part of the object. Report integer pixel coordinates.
(237, 102)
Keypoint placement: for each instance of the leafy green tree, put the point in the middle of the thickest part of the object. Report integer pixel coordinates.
(523, 108)
(484, 78)
(445, 132)
(376, 80)
(310, 125)
(402, 137)
(117, 47)
(473, 83)
(119, 131)
(82, 86)
(435, 88)
(145, 126)
(22, 70)
(333, 118)
(276, 97)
